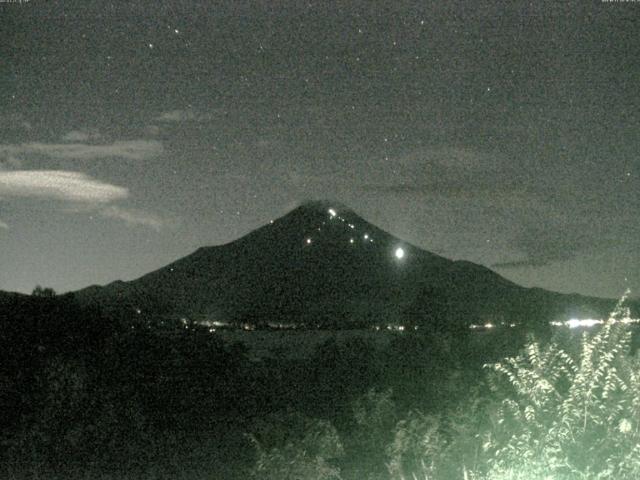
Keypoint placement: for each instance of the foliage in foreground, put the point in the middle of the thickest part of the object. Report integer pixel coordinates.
(92, 397)
(306, 453)
(566, 410)
(572, 414)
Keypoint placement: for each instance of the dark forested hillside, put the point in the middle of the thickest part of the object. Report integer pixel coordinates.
(87, 395)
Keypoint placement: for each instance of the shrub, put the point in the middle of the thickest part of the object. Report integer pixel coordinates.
(296, 447)
(568, 409)
(439, 445)
(571, 416)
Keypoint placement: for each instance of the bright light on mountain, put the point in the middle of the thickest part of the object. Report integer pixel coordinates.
(399, 253)
(332, 212)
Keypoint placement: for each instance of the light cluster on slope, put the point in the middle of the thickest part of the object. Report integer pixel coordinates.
(399, 252)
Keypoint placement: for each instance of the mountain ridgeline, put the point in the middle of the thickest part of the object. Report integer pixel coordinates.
(322, 265)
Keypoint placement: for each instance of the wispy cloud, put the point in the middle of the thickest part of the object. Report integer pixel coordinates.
(129, 149)
(184, 115)
(10, 162)
(446, 170)
(81, 136)
(540, 246)
(537, 223)
(133, 217)
(60, 185)
(152, 130)
(451, 188)
(81, 193)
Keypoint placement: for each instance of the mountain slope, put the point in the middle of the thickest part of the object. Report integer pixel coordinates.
(323, 264)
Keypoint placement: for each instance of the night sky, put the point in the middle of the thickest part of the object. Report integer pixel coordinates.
(504, 133)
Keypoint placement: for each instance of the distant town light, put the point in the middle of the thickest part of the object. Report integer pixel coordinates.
(332, 212)
(366, 236)
(308, 241)
(591, 322)
(351, 240)
(586, 322)
(399, 253)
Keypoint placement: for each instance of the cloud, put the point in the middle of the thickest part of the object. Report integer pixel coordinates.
(437, 187)
(534, 220)
(130, 149)
(541, 247)
(186, 115)
(59, 185)
(10, 162)
(152, 130)
(444, 170)
(86, 194)
(81, 136)
(519, 264)
(133, 217)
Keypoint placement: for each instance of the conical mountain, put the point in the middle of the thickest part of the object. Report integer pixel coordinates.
(322, 264)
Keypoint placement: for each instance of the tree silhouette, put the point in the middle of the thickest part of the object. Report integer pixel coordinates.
(46, 292)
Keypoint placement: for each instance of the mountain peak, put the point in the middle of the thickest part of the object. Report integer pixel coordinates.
(323, 206)
(331, 221)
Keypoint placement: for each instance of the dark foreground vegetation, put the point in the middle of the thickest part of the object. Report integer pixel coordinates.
(84, 396)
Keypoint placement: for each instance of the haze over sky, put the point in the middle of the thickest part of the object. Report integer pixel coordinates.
(504, 133)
